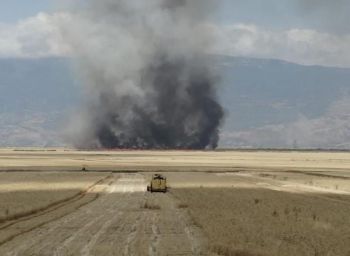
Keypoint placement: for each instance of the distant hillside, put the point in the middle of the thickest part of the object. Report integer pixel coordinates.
(258, 92)
(36, 84)
(273, 103)
(266, 102)
(35, 95)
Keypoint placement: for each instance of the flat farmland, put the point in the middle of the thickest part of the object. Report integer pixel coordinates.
(72, 160)
(25, 193)
(219, 203)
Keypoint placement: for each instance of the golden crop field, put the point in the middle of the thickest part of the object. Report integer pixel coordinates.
(66, 159)
(220, 203)
(267, 222)
(26, 193)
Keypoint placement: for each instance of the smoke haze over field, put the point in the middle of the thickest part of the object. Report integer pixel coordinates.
(147, 80)
(328, 15)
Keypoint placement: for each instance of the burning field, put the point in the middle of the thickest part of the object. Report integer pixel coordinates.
(219, 203)
(147, 76)
(148, 87)
(149, 105)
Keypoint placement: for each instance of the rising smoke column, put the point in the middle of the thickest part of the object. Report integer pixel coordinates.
(147, 78)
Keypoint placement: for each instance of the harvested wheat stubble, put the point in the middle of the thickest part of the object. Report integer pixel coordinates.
(66, 159)
(25, 193)
(267, 222)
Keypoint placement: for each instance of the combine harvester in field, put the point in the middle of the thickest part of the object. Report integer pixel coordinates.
(158, 184)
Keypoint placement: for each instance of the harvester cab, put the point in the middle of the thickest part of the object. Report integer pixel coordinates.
(158, 184)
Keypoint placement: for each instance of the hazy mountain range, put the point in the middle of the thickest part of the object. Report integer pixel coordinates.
(268, 103)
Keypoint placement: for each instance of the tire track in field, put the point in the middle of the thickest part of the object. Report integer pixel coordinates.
(48, 228)
(115, 224)
(67, 242)
(85, 251)
(155, 237)
(132, 236)
(53, 207)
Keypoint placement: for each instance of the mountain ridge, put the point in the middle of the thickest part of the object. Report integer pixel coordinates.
(257, 94)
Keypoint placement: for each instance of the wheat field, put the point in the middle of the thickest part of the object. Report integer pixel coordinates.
(221, 203)
(24, 193)
(266, 222)
(68, 159)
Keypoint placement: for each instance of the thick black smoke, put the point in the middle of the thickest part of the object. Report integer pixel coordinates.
(182, 111)
(149, 84)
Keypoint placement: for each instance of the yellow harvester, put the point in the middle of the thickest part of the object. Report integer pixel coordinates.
(158, 184)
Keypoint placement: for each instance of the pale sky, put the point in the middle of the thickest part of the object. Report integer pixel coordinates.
(271, 13)
(14, 10)
(311, 32)
(321, 15)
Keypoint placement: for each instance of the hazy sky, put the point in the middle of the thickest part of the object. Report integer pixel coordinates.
(274, 13)
(271, 13)
(14, 10)
(311, 32)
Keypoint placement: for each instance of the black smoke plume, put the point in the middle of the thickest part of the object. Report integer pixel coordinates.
(148, 79)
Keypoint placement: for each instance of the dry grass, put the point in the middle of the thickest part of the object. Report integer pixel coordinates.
(328, 181)
(182, 206)
(150, 206)
(266, 222)
(236, 213)
(223, 250)
(63, 159)
(22, 194)
(151, 202)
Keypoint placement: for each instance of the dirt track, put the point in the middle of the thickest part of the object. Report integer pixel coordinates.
(117, 223)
